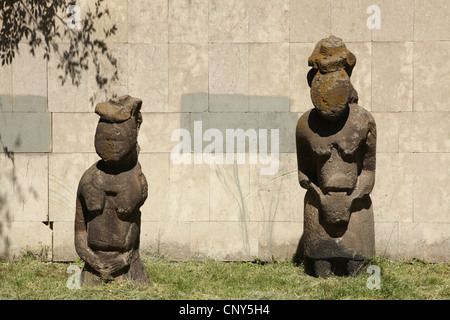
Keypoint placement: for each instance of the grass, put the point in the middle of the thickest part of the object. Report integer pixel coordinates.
(32, 278)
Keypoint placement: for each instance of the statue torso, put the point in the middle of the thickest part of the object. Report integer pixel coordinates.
(336, 149)
(112, 203)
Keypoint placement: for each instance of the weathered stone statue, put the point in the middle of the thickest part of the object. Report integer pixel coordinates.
(336, 143)
(110, 193)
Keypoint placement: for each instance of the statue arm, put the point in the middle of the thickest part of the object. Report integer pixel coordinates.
(81, 245)
(303, 172)
(306, 176)
(366, 180)
(304, 161)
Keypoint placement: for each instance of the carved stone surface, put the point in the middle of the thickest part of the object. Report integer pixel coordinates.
(109, 196)
(336, 146)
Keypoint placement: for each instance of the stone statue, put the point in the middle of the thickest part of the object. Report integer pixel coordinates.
(336, 143)
(110, 193)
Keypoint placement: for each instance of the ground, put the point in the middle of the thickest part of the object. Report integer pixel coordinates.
(203, 279)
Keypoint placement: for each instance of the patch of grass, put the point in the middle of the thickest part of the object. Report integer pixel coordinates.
(204, 279)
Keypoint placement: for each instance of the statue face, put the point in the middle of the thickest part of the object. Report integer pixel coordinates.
(115, 141)
(330, 93)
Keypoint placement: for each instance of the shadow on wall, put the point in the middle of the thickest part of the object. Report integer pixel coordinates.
(238, 112)
(25, 124)
(8, 177)
(5, 209)
(261, 126)
(25, 127)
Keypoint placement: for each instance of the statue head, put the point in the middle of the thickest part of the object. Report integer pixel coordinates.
(117, 129)
(329, 78)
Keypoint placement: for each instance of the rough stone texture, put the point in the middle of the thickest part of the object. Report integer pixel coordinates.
(63, 244)
(393, 196)
(309, 15)
(228, 21)
(149, 75)
(232, 82)
(30, 187)
(300, 100)
(156, 168)
(424, 132)
(189, 192)
(279, 240)
(269, 21)
(431, 59)
(148, 22)
(230, 185)
(167, 238)
(188, 73)
(109, 196)
(273, 82)
(228, 77)
(431, 194)
(362, 75)
(388, 132)
(70, 131)
(29, 81)
(18, 237)
(224, 240)
(72, 98)
(118, 15)
(431, 20)
(348, 18)
(63, 182)
(396, 21)
(336, 148)
(6, 101)
(67, 97)
(188, 21)
(156, 132)
(270, 196)
(394, 89)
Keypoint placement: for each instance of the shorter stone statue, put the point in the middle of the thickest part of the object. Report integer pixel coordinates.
(336, 144)
(110, 194)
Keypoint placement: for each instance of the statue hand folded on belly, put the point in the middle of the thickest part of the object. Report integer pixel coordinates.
(335, 213)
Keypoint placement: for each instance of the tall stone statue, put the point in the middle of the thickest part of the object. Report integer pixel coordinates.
(336, 143)
(110, 193)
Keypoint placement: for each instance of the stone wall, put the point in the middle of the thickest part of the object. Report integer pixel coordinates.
(234, 64)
